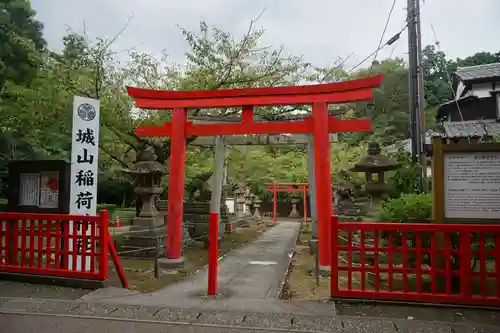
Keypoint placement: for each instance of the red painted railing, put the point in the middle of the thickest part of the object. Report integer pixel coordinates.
(213, 254)
(72, 246)
(416, 262)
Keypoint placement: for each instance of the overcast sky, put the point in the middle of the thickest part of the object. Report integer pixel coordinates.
(321, 30)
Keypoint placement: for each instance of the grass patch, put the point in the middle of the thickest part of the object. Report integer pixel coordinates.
(140, 273)
(301, 280)
(124, 214)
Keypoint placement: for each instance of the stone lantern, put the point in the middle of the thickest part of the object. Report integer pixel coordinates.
(374, 165)
(294, 200)
(147, 173)
(248, 202)
(256, 206)
(239, 203)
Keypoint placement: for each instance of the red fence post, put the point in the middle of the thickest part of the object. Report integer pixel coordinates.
(275, 203)
(305, 203)
(465, 257)
(334, 283)
(213, 253)
(103, 244)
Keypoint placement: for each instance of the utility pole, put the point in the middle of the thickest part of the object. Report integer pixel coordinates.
(421, 101)
(416, 113)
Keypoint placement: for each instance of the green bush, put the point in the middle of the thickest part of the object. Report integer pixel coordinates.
(405, 179)
(109, 207)
(408, 207)
(3, 205)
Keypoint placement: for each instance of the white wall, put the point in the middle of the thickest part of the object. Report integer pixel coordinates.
(230, 205)
(483, 90)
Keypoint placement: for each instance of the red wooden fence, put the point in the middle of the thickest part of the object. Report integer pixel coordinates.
(419, 262)
(43, 244)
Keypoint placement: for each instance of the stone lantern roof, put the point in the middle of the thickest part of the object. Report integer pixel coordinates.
(374, 162)
(147, 164)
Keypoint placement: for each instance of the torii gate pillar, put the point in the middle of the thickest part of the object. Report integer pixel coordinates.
(173, 244)
(323, 181)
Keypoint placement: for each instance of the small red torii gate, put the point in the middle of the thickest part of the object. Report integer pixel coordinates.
(320, 124)
(287, 188)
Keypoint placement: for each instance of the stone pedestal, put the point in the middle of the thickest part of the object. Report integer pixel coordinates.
(143, 236)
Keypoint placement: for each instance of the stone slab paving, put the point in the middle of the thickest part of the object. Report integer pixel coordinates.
(254, 271)
(18, 289)
(199, 318)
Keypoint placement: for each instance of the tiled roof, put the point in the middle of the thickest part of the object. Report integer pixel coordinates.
(479, 72)
(465, 129)
(406, 144)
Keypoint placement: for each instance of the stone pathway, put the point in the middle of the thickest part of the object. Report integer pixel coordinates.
(255, 271)
(53, 316)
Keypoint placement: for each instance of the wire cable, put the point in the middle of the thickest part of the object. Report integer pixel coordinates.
(382, 36)
(389, 42)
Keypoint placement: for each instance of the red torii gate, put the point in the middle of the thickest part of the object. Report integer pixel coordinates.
(288, 188)
(320, 124)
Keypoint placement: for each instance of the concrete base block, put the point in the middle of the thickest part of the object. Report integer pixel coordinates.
(167, 263)
(324, 271)
(54, 280)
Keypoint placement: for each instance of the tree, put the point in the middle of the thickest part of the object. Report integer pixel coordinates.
(214, 60)
(389, 106)
(480, 58)
(22, 42)
(437, 76)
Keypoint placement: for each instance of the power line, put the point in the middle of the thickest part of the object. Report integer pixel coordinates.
(389, 42)
(383, 34)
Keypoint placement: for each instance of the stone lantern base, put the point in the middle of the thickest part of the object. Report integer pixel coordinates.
(143, 237)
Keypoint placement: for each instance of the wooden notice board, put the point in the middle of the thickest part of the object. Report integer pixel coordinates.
(466, 182)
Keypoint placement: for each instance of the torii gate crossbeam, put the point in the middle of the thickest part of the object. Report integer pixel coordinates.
(320, 124)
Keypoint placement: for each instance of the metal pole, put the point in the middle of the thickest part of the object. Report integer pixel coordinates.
(157, 258)
(421, 100)
(218, 180)
(312, 185)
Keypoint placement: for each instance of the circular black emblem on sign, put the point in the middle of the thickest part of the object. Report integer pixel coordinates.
(86, 112)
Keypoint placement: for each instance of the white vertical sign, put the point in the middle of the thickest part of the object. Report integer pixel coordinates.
(84, 169)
